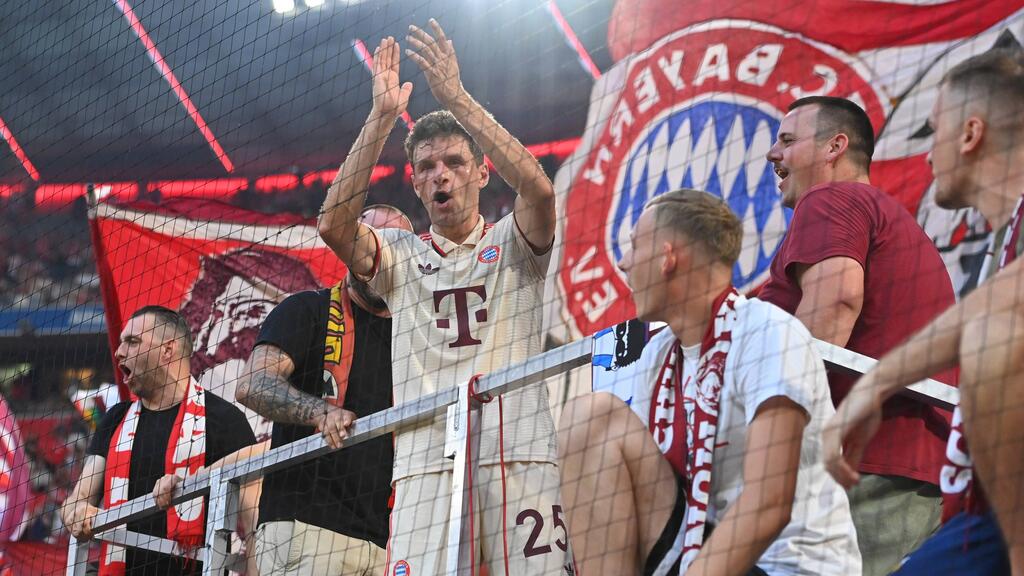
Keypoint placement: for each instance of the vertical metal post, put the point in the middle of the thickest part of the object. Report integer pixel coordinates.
(463, 432)
(221, 519)
(78, 557)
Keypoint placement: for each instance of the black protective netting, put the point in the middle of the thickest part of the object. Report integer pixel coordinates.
(229, 226)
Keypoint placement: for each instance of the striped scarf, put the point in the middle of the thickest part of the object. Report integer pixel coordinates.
(339, 347)
(956, 477)
(694, 459)
(186, 454)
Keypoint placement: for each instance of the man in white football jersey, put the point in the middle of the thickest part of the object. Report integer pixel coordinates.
(466, 299)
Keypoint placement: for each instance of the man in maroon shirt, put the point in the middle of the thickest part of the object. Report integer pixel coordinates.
(978, 160)
(859, 272)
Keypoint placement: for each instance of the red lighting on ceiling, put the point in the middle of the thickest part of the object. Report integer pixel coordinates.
(116, 190)
(323, 177)
(277, 183)
(8, 136)
(558, 148)
(62, 195)
(176, 87)
(8, 190)
(215, 188)
(326, 177)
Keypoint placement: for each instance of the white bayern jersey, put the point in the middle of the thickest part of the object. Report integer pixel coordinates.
(460, 310)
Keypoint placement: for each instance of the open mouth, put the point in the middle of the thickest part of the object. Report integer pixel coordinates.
(782, 173)
(126, 372)
(442, 198)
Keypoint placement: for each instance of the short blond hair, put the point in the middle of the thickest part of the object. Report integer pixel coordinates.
(702, 218)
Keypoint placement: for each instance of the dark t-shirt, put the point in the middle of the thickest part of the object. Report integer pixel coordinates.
(906, 285)
(346, 491)
(227, 430)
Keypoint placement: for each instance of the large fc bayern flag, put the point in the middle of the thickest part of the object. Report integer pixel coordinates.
(222, 267)
(695, 100)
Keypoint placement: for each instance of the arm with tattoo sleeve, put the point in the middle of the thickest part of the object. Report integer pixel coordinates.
(265, 389)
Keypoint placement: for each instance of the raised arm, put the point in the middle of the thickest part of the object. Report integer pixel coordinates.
(264, 388)
(339, 219)
(535, 201)
(765, 505)
(78, 510)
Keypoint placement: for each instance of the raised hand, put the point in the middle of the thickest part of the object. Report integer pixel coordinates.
(435, 55)
(389, 99)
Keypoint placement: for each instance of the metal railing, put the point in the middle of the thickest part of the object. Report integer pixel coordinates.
(222, 485)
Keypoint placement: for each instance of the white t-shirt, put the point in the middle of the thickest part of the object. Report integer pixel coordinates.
(772, 355)
(460, 310)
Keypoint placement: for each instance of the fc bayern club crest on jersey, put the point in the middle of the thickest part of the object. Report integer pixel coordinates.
(402, 569)
(698, 109)
(489, 255)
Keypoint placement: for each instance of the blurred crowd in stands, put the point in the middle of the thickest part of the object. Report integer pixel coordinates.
(55, 416)
(45, 257)
(55, 450)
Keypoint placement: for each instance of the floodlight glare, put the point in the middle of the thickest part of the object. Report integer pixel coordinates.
(284, 6)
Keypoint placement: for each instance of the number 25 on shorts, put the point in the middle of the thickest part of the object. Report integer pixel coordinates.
(531, 548)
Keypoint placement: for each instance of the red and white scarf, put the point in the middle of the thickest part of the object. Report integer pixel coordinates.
(694, 459)
(956, 478)
(1006, 253)
(186, 454)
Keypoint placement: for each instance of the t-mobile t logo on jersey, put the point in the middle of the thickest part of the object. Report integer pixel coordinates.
(461, 296)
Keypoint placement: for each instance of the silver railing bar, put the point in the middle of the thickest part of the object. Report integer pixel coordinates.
(533, 370)
(125, 537)
(139, 508)
(78, 550)
(221, 520)
(931, 392)
(78, 557)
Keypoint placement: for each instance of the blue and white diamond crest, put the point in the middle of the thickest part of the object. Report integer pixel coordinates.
(715, 145)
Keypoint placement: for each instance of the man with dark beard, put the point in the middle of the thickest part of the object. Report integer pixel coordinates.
(171, 431)
(321, 358)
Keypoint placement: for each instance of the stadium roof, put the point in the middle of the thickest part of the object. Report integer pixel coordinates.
(86, 100)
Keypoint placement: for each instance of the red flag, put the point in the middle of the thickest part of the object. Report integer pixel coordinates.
(33, 558)
(222, 267)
